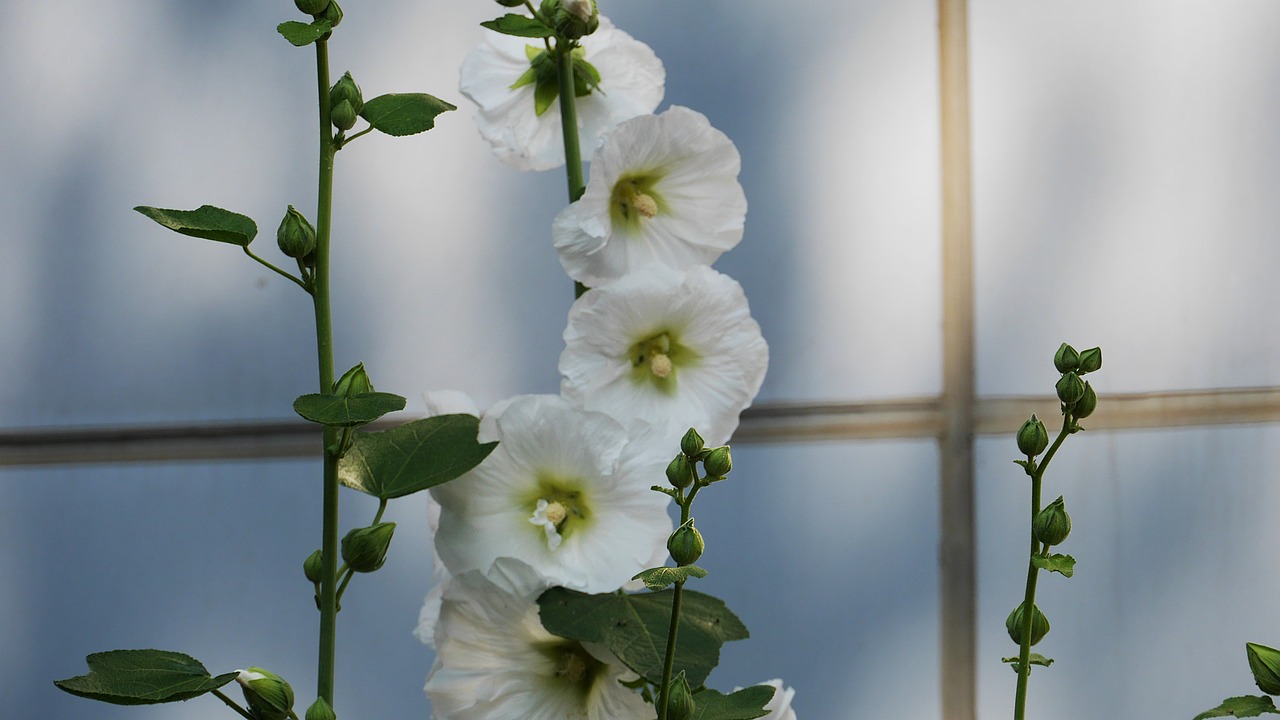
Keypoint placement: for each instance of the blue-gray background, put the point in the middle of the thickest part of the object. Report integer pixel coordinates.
(1127, 168)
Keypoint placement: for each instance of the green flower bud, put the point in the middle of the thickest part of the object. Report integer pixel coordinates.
(345, 91)
(680, 704)
(575, 18)
(1091, 360)
(313, 566)
(685, 544)
(680, 472)
(311, 7)
(320, 710)
(1265, 664)
(332, 13)
(1087, 403)
(365, 549)
(718, 463)
(353, 382)
(1066, 359)
(1014, 623)
(511, 3)
(268, 695)
(1052, 525)
(1070, 388)
(691, 444)
(295, 236)
(1033, 438)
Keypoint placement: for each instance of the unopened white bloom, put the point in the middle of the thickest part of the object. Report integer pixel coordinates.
(495, 661)
(779, 706)
(494, 77)
(663, 190)
(566, 491)
(674, 349)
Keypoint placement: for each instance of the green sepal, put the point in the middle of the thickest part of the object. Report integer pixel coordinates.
(586, 78)
(1242, 706)
(1059, 563)
(634, 628)
(414, 456)
(1033, 659)
(660, 578)
(745, 704)
(302, 34)
(143, 677)
(520, 26)
(207, 223)
(544, 95)
(400, 114)
(347, 412)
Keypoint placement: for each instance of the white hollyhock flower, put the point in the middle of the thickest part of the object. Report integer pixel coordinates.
(566, 491)
(499, 76)
(779, 706)
(674, 349)
(663, 190)
(495, 661)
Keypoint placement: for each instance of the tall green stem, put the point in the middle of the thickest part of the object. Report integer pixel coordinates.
(324, 351)
(569, 119)
(669, 661)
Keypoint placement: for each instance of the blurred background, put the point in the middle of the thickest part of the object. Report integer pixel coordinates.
(1127, 195)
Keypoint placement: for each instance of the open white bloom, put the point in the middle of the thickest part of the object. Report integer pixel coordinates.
(494, 660)
(663, 190)
(566, 491)
(674, 349)
(500, 76)
(780, 706)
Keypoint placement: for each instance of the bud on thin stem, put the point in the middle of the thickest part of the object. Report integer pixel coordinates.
(1033, 438)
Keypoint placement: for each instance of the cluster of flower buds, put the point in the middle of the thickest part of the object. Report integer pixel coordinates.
(345, 102)
(716, 462)
(1077, 395)
(321, 10)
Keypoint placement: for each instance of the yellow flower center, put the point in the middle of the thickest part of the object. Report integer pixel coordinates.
(635, 199)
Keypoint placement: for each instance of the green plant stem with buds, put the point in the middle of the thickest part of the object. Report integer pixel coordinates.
(668, 662)
(1033, 572)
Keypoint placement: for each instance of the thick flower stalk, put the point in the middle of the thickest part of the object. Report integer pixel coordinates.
(663, 190)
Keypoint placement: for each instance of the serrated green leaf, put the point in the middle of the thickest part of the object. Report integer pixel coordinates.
(519, 25)
(349, 411)
(661, 577)
(1242, 706)
(634, 628)
(1064, 564)
(745, 704)
(401, 114)
(206, 222)
(303, 34)
(414, 456)
(1033, 659)
(143, 677)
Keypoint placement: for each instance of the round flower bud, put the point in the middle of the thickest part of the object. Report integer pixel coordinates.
(680, 704)
(343, 115)
(268, 695)
(1070, 388)
(332, 13)
(311, 7)
(295, 236)
(1016, 619)
(1033, 438)
(691, 444)
(1066, 359)
(365, 549)
(680, 472)
(1087, 403)
(353, 382)
(313, 566)
(1052, 525)
(1265, 664)
(718, 463)
(320, 710)
(345, 91)
(575, 18)
(1091, 360)
(685, 544)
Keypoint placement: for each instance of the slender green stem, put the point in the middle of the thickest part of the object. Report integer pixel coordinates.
(232, 704)
(669, 662)
(324, 350)
(569, 119)
(382, 507)
(282, 273)
(347, 141)
(342, 587)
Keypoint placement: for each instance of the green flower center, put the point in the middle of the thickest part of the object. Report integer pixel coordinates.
(567, 505)
(635, 199)
(657, 359)
(572, 665)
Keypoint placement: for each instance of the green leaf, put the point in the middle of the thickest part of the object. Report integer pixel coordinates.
(519, 25)
(660, 577)
(1243, 706)
(347, 412)
(303, 34)
(1058, 563)
(413, 456)
(634, 627)
(1033, 659)
(143, 677)
(401, 114)
(207, 222)
(746, 704)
